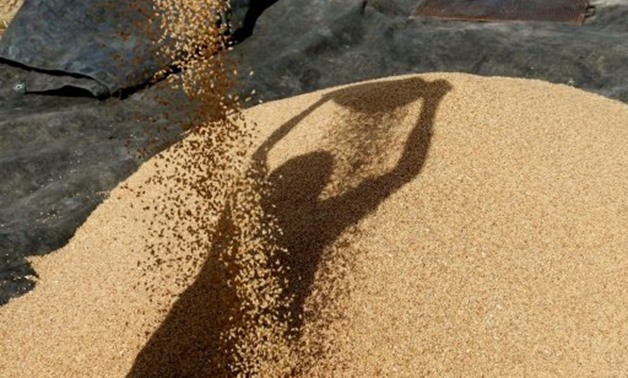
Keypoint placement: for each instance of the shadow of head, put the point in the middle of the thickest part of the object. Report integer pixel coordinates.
(387, 96)
(302, 178)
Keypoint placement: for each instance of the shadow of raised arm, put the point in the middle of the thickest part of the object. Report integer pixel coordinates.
(309, 223)
(364, 198)
(260, 156)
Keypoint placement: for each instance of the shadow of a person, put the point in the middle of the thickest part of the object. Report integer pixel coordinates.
(188, 342)
(309, 224)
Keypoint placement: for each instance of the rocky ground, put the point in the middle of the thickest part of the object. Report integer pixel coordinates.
(61, 152)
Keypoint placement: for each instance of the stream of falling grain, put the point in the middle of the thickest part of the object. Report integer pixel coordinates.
(216, 205)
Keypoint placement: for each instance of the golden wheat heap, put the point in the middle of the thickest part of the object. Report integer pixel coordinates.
(8, 9)
(220, 222)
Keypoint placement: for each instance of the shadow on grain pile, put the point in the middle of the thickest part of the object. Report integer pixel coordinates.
(189, 340)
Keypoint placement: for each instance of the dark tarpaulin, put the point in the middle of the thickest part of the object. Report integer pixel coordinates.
(101, 46)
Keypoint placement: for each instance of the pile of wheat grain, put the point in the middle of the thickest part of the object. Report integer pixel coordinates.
(8, 9)
(423, 225)
(440, 224)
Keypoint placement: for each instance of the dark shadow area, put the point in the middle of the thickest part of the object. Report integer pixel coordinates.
(67, 91)
(187, 343)
(247, 24)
